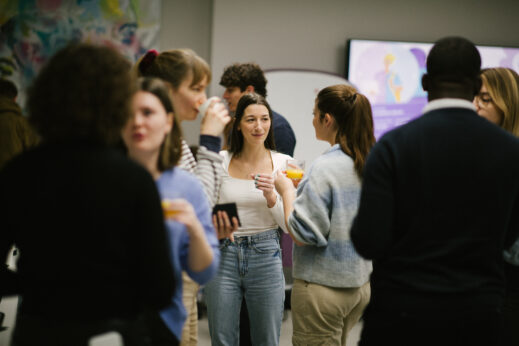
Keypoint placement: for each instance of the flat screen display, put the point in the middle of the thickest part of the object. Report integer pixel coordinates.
(389, 73)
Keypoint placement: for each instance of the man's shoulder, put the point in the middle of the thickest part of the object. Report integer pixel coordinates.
(280, 121)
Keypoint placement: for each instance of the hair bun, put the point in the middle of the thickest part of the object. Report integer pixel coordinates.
(147, 60)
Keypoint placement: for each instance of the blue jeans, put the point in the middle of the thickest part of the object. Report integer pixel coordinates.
(251, 268)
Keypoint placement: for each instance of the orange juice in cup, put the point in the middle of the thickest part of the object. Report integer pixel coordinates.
(295, 169)
(168, 211)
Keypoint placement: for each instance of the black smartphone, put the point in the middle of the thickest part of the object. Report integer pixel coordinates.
(229, 208)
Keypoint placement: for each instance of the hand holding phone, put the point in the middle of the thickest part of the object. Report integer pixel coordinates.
(226, 220)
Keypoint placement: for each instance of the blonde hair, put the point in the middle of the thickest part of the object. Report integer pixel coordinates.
(503, 87)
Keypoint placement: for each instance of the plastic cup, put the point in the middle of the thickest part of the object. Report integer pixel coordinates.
(166, 208)
(295, 169)
(203, 108)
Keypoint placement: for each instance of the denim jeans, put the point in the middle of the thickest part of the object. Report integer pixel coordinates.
(251, 268)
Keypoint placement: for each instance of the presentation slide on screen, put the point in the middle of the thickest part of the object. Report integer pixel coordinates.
(389, 73)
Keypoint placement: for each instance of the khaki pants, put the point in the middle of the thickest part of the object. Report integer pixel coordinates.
(189, 293)
(323, 315)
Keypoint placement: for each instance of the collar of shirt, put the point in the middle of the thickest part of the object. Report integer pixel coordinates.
(448, 103)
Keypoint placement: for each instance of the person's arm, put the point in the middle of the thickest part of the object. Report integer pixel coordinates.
(287, 192)
(265, 183)
(155, 271)
(207, 168)
(203, 255)
(372, 230)
(309, 221)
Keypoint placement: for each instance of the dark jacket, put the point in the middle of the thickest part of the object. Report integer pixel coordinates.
(90, 231)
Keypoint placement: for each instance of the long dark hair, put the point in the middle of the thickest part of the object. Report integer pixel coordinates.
(352, 114)
(246, 100)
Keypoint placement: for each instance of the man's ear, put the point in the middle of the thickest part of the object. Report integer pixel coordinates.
(249, 89)
(426, 82)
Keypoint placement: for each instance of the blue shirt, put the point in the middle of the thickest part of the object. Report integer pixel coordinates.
(326, 204)
(173, 184)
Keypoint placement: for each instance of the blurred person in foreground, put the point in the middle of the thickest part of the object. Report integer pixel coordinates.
(187, 76)
(153, 138)
(87, 220)
(439, 204)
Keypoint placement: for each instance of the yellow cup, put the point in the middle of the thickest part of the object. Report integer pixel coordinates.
(295, 169)
(295, 173)
(166, 208)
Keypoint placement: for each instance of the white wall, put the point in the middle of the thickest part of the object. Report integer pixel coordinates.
(312, 34)
(187, 24)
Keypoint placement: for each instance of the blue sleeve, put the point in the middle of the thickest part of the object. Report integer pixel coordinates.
(212, 143)
(199, 201)
(310, 220)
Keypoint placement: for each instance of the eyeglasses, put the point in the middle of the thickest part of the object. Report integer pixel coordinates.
(483, 99)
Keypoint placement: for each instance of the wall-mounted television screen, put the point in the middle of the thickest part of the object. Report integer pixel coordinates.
(389, 73)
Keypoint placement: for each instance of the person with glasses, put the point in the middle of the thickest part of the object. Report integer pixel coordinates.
(498, 101)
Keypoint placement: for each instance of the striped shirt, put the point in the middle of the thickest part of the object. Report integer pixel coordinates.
(207, 167)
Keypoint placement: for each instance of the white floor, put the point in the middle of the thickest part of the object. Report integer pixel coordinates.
(8, 306)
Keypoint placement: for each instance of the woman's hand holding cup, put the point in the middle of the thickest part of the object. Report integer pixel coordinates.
(214, 117)
(295, 170)
(265, 183)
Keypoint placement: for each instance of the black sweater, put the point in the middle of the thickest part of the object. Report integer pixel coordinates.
(90, 231)
(439, 203)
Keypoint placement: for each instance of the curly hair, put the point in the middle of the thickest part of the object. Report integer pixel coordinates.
(243, 75)
(82, 93)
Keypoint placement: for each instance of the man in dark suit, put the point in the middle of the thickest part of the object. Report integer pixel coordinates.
(439, 203)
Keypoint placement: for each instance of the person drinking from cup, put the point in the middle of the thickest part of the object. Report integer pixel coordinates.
(251, 264)
(187, 76)
(331, 286)
(152, 138)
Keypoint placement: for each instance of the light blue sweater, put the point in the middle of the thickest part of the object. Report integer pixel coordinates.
(327, 201)
(172, 184)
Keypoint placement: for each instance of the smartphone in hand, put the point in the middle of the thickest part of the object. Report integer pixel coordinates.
(229, 208)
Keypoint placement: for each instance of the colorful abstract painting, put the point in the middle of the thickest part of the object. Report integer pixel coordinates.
(33, 30)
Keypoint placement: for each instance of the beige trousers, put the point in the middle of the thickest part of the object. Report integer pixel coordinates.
(189, 293)
(323, 315)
